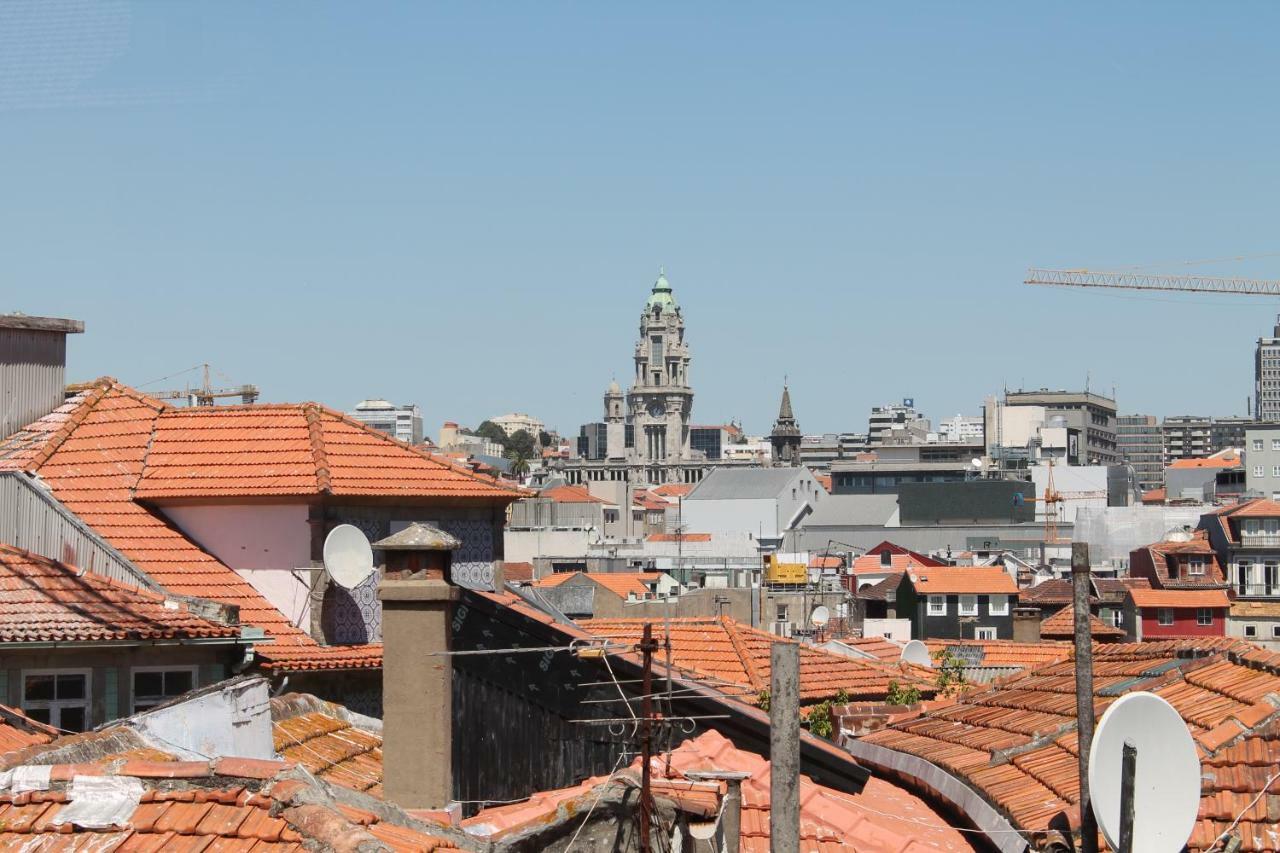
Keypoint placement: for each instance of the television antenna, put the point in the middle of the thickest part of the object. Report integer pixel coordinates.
(917, 653)
(1144, 776)
(348, 556)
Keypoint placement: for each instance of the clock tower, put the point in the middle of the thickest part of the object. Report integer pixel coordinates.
(660, 400)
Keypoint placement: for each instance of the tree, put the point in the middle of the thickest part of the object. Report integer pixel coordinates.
(544, 439)
(493, 432)
(950, 670)
(519, 463)
(899, 695)
(521, 442)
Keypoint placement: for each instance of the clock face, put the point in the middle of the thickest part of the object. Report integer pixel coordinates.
(657, 409)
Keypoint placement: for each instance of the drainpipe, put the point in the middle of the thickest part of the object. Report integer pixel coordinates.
(731, 809)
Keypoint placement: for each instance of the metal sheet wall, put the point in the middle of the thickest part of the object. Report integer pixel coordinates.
(32, 376)
(34, 521)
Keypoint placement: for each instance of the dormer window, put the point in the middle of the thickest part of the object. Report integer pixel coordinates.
(1195, 565)
(886, 559)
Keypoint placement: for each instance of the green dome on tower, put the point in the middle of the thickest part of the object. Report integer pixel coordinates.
(661, 294)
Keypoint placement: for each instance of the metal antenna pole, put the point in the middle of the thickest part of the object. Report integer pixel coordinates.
(1080, 587)
(1128, 771)
(647, 647)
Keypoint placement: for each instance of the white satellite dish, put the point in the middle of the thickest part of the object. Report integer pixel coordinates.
(1166, 783)
(819, 617)
(975, 462)
(917, 653)
(348, 557)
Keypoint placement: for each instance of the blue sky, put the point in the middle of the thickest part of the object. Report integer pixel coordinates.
(464, 205)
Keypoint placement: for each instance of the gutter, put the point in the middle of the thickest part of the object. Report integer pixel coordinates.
(130, 644)
(927, 777)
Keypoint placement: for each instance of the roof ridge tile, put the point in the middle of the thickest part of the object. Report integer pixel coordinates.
(315, 434)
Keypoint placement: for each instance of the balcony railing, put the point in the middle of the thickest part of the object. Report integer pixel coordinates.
(1257, 590)
(1260, 540)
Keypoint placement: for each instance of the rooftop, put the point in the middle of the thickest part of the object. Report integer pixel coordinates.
(1061, 625)
(45, 601)
(975, 580)
(622, 584)
(1179, 597)
(1014, 742)
(738, 656)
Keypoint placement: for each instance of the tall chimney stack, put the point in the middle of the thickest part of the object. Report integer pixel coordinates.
(33, 367)
(417, 594)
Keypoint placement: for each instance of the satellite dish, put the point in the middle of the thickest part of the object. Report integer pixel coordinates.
(348, 557)
(1166, 782)
(917, 653)
(975, 462)
(819, 617)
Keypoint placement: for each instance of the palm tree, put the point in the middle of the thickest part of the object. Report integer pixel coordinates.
(519, 463)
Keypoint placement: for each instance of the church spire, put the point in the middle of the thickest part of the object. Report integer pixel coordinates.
(784, 411)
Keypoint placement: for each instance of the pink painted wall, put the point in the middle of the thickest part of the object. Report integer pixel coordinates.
(265, 544)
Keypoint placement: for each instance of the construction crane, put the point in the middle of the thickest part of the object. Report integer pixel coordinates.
(208, 396)
(1053, 500)
(1149, 281)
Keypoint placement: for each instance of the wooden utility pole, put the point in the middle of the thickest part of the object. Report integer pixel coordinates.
(648, 645)
(1081, 588)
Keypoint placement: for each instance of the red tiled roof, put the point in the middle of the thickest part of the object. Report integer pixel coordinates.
(302, 657)
(45, 601)
(1050, 592)
(673, 490)
(870, 564)
(1154, 496)
(736, 654)
(18, 731)
(1062, 625)
(228, 804)
(1004, 653)
(1261, 508)
(619, 583)
(1179, 597)
(1223, 460)
(319, 736)
(817, 561)
(678, 537)
(877, 647)
(1014, 742)
(975, 580)
(571, 495)
(94, 452)
(517, 571)
(282, 450)
(882, 818)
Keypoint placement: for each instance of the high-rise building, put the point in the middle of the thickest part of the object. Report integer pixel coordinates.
(904, 419)
(1266, 376)
(1141, 444)
(1093, 415)
(400, 422)
(1196, 436)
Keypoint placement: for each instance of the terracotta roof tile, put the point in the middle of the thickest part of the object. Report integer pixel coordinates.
(326, 743)
(571, 495)
(976, 580)
(43, 600)
(623, 584)
(995, 738)
(879, 819)
(1179, 597)
(1004, 653)
(678, 537)
(1062, 625)
(18, 731)
(738, 656)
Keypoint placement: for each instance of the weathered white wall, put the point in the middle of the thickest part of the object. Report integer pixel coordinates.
(233, 719)
(522, 546)
(265, 544)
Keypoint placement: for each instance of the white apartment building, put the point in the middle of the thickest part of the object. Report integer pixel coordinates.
(403, 423)
(515, 421)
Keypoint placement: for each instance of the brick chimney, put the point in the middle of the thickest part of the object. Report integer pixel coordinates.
(1026, 624)
(417, 594)
(33, 367)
